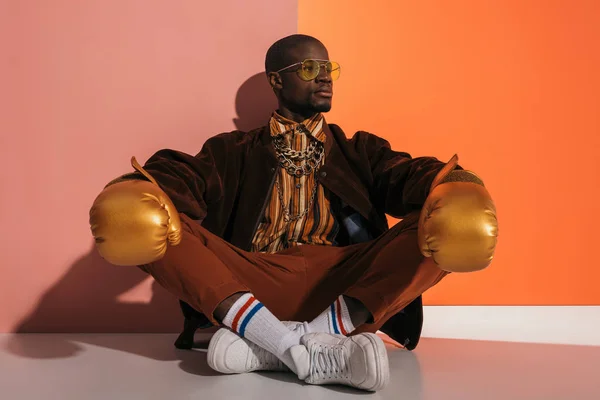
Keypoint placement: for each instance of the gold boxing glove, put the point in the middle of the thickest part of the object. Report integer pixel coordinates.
(133, 221)
(458, 225)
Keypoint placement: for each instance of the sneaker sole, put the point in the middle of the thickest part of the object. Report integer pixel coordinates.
(211, 357)
(211, 354)
(382, 364)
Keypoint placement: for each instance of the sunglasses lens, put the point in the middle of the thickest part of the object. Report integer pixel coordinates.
(334, 70)
(309, 70)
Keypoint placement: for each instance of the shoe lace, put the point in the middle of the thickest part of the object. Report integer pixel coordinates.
(264, 358)
(328, 362)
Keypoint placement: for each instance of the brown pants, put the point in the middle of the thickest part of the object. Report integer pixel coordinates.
(299, 283)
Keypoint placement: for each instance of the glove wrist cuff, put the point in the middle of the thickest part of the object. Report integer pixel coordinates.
(140, 174)
(132, 176)
(462, 176)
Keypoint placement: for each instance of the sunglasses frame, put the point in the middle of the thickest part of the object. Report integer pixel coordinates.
(319, 62)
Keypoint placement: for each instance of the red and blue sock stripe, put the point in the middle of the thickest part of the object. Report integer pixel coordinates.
(336, 318)
(244, 315)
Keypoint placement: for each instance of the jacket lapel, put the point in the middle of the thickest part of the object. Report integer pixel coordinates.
(255, 188)
(337, 176)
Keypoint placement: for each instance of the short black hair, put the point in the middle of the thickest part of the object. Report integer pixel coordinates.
(277, 54)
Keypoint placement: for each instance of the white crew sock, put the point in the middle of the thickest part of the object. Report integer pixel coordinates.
(335, 319)
(249, 318)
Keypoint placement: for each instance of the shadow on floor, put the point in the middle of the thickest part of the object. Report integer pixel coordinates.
(86, 298)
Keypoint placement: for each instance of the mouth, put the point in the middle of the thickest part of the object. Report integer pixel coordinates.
(326, 93)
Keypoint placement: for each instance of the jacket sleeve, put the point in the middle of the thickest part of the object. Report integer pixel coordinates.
(401, 183)
(191, 182)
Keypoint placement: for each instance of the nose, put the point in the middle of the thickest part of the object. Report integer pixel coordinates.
(323, 76)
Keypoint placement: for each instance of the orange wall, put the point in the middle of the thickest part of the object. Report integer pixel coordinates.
(513, 88)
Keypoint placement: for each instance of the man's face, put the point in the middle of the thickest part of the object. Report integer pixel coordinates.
(306, 97)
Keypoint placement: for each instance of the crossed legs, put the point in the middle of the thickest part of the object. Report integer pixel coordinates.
(352, 289)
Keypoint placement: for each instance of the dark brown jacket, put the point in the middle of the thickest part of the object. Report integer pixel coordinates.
(227, 186)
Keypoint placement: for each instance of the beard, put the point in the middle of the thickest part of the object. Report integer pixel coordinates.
(321, 105)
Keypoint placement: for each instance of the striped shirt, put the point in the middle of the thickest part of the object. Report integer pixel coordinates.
(318, 226)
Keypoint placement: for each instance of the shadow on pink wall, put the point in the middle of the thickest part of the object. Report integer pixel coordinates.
(86, 297)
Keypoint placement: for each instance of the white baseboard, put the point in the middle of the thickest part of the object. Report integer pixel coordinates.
(578, 325)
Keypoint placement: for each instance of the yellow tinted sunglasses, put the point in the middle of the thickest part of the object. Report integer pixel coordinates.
(309, 69)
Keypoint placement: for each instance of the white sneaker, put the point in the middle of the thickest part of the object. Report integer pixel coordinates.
(229, 353)
(359, 361)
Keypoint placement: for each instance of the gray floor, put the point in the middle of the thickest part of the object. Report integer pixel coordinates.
(101, 366)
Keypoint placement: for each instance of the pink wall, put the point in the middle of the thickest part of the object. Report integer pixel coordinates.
(84, 86)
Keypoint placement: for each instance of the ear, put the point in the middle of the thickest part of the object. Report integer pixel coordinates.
(275, 80)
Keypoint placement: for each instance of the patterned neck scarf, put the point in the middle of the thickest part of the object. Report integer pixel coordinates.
(279, 124)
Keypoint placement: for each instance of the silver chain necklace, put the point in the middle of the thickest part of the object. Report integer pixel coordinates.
(287, 217)
(310, 160)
